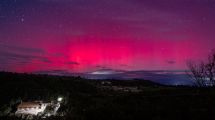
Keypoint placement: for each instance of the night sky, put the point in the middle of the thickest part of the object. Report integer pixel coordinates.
(124, 39)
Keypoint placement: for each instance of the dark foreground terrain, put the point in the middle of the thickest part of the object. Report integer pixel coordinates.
(106, 100)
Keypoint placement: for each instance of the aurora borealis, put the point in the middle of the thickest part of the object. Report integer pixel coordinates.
(93, 36)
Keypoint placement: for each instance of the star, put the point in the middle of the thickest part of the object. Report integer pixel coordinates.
(204, 18)
(22, 19)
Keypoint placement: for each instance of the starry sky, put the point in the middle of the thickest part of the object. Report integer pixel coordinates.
(100, 38)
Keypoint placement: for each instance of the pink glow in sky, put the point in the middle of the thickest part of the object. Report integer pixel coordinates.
(84, 36)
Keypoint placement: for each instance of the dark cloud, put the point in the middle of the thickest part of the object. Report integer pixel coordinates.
(61, 72)
(5, 47)
(46, 60)
(53, 72)
(20, 54)
(12, 55)
(72, 63)
(124, 65)
(101, 67)
(18, 57)
(171, 62)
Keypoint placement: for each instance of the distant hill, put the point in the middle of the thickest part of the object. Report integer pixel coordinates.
(10, 76)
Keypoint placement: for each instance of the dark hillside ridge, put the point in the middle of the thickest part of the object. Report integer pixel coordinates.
(86, 99)
(16, 77)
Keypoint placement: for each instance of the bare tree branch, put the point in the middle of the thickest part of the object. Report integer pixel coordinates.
(203, 73)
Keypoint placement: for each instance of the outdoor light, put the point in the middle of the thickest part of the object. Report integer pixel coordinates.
(59, 99)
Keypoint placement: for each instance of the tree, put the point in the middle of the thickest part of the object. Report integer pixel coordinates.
(203, 73)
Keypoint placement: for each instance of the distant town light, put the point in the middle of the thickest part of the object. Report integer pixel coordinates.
(59, 99)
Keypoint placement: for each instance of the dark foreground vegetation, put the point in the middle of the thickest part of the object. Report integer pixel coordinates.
(96, 100)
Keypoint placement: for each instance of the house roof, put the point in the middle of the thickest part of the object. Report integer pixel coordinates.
(29, 105)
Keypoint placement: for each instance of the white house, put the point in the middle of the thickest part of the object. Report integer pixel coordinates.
(31, 108)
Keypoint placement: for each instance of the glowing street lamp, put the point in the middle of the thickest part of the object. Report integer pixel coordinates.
(59, 99)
